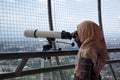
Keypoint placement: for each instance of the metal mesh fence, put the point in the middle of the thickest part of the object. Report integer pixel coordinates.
(16, 16)
(111, 22)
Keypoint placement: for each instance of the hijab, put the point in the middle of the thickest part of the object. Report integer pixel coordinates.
(90, 32)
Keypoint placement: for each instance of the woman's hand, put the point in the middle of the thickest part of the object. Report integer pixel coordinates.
(74, 34)
(76, 37)
(77, 69)
(77, 73)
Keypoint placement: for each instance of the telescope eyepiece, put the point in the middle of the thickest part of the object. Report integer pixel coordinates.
(66, 35)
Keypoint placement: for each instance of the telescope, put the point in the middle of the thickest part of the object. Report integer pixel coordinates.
(48, 34)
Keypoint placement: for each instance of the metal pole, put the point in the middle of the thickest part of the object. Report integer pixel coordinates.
(99, 14)
(51, 73)
(100, 23)
(57, 60)
(21, 66)
(54, 45)
(50, 15)
(42, 66)
(51, 29)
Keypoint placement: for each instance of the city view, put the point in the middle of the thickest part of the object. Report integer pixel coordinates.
(16, 16)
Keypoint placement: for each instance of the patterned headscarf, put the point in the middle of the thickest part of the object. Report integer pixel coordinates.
(88, 32)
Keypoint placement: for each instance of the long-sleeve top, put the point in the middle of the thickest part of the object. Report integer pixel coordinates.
(98, 59)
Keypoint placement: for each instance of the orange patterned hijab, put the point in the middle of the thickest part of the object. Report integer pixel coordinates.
(88, 32)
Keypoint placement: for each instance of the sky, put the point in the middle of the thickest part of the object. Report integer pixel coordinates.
(16, 16)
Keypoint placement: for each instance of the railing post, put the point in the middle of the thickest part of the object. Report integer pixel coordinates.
(51, 28)
(42, 66)
(21, 66)
(57, 60)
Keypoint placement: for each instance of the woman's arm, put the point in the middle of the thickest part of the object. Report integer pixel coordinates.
(77, 65)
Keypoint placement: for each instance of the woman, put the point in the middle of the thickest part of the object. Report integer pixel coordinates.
(91, 56)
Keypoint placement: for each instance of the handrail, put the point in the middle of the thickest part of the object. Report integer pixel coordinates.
(42, 54)
(19, 55)
(27, 55)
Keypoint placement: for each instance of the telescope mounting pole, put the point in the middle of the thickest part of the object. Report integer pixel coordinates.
(53, 42)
